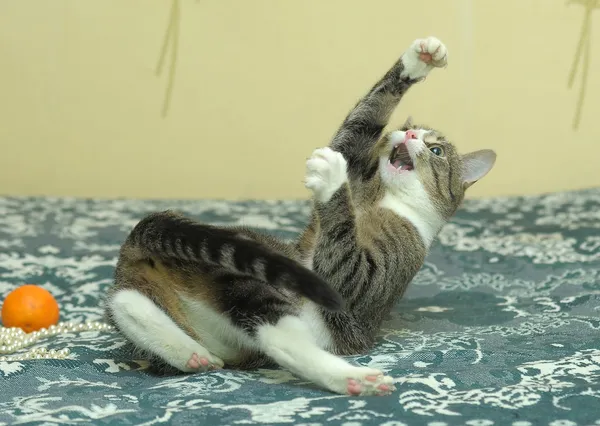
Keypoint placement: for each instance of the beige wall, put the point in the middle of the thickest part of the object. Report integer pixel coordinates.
(260, 83)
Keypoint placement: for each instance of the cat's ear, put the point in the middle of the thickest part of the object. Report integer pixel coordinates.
(408, 124)
(476, 165)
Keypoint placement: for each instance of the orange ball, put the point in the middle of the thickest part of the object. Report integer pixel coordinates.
(30, 307)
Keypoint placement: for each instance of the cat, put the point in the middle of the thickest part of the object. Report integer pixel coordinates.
(379, 202)
(199, 297)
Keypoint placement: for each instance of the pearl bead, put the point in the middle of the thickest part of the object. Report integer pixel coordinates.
(12, 339)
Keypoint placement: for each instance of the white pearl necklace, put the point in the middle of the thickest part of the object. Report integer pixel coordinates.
(13, 339)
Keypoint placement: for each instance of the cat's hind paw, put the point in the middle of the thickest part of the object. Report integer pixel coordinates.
(325, 173)
(371, 385)
(197, 363)
(364, 381)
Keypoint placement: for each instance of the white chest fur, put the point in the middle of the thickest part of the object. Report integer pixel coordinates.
(420, 212)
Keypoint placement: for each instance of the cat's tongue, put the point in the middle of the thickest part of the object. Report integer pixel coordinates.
(397, 164)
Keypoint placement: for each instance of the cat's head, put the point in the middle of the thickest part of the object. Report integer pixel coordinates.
(419, 163)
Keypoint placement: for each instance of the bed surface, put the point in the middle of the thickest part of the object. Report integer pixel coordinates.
(500, 327)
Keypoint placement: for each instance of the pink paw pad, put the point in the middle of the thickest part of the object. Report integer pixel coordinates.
(354, 387)
(197, 363)
(193, 362)
(383, 388)
(425, 57)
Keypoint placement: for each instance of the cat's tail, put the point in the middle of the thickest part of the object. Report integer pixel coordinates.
(168, 235)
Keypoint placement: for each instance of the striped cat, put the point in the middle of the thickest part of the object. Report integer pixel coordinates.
(379, 202)
(198, 297)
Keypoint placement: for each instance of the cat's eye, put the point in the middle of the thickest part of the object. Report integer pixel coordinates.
(437, 150)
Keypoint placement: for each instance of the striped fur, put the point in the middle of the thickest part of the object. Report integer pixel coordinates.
(171, 237)
(372, 226)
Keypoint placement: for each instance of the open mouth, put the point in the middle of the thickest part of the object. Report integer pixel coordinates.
(400, 158)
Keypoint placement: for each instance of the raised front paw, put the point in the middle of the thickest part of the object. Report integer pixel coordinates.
(325, 173)
(424, 55)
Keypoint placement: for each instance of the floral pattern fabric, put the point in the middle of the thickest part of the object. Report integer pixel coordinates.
(500, 327)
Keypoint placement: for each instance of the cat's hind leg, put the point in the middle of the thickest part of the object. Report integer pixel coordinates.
(286, 329)
(150, 329)
(292, 345)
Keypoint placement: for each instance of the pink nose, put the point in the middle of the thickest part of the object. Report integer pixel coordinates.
(410, 135)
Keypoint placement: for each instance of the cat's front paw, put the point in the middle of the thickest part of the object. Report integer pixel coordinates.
(423, 55)
(325, 173)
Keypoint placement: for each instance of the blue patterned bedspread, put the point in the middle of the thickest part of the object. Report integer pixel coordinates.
(501, 326)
